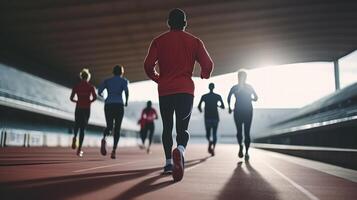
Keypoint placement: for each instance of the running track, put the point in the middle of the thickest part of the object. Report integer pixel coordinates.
(56, 173)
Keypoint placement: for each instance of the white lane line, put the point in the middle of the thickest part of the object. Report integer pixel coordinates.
(297, 186)
(106, 166)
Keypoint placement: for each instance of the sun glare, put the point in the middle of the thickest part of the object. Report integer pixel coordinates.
(283, 86)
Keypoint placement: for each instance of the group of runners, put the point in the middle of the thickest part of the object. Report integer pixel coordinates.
(170, 63)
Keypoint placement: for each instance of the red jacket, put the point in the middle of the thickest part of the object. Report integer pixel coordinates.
(83, 90)
(147, 116)
(175, 53)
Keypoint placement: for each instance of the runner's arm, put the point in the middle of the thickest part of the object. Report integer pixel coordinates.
(142, 114)
(229, 100)
(126, 90)
(101, 89)
(222, 104)
(200, 104)
(72, 96)
(94, 95)
(150, 63)
(255, 96)
(156, 116)
(204, 60)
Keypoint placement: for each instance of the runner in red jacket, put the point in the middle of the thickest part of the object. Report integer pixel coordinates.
(84, 90)
(148, 116)
(174, 53)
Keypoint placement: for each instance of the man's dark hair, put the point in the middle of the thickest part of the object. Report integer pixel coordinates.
(177, 19)
(149, 104)
(118, 70)
(211, 86)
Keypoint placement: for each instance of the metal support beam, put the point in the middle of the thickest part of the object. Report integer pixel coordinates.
(337, 74)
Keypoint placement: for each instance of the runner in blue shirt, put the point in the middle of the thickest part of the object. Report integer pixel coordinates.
(114, 106)
(243, 110)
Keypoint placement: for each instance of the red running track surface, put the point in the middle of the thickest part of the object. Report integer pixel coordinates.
(57, 173)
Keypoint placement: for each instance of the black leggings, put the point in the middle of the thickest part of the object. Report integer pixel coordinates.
(149, 127)
(114, 113)
(81, 116)
(181, 104)
(240, 118)
(211, 124)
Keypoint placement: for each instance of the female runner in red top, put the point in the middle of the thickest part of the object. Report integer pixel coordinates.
(83, 90)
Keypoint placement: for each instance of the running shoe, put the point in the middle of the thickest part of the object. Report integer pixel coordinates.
(210, 147)
(212, 151)
(112, 156)
(79, 153)
(74, 141)
(240, 154)
(246, 157)
(179, 167)
(168, 169)
(148, 151)
(103, 148)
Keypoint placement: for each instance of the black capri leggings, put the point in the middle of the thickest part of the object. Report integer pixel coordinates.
(114, 113)
(149, 127)
(181, 104)
(81, 117)
(243, 118)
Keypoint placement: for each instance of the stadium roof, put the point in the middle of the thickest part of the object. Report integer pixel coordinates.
(63, 36)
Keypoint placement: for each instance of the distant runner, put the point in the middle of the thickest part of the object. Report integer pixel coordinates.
(148, 116)
(114, 106)
(211, 100)
(174, 53)
(243, 110)
(84, 90)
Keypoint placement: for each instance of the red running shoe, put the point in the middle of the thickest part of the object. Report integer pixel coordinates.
(179, 166)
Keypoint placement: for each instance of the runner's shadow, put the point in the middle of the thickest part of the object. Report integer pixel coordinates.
(64, 187)
(71, 186)
(149, 185)
(247, 183)
(9, 163)
(34, 163)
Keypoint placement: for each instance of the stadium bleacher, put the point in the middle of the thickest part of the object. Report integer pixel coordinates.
(330, 121)
(41, 97)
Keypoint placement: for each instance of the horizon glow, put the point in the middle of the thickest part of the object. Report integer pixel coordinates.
(282, 86)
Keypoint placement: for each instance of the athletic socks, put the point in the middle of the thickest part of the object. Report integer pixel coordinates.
(182, 149)
(168, 162)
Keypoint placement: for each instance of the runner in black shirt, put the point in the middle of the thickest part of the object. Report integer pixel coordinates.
(243, 110)
(211, 116)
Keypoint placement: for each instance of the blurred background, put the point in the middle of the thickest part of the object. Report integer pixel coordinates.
(300, 58)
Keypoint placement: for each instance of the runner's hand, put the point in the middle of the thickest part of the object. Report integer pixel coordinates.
(229, 110)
